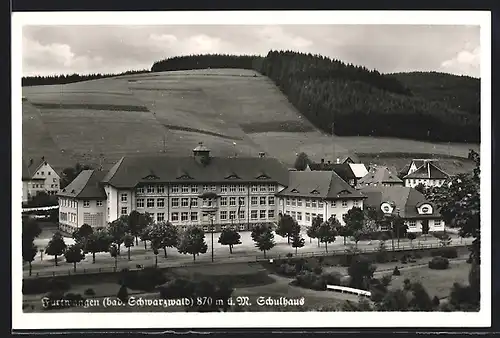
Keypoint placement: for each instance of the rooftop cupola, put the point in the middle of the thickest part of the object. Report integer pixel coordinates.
(201, 154)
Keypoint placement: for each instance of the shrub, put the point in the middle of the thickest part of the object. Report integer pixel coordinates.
(394, 259)
(333, 278)
(439, 263)
(176, 288)
(318, 270)
(346, 260)
(404, 259)
(396, 272)
(287, 270)
(89, 292)
(448, 252)
(57, 284)
(417, 255)
(289, 255)
(435, 301)
(122, 294)
(406, 284)
(345, 281)
(39, 286)
(74, 297)
(145, 280)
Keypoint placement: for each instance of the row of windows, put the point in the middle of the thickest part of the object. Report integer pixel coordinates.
(308, 216)
(315, 203)
(424, 181)
(186, 189)
(223, 215)
(68, 203)
(193, 202)
(43, 173)
(86, 204)
(67, 217)
(413, 223)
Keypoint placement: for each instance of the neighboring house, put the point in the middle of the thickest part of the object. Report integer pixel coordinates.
(359, 170)
(426, 172)
(194, 190)
(380, 176)
(344, 170)
(38, 176)
(83, 201)
(409, 203)
(317, 193)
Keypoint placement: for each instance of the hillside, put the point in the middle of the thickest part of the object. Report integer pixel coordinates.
(230, 110)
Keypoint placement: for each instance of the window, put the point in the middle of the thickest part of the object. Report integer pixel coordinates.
(320, 204)
(184, 228)
(262, 214)
(270, 213)
(232, 214)
(205, 188)
(241, 188)
(43, 173)
(386, 209)
(412, 224)
(308, 203)
(184, 216)
(223, 215)
(254, 188)
(253, 214)
(150, 189)
(313, 215)
(175, 202)
(48, 173)
(294, 202)
(232, 201)
(242, 214)
(254, 200)
(437, 223)
(213, 187)
(194, 202)
(271, 188)
(288, 212)
(263, 200)
(294, 215)
(299, 202)
(223, 188)
(270, 200)
(150, 203)
(344, 204)
(287, 201)
(241, 201)
(160, 217)
(185, 190)
(184, 202)
(160, 203)
(161, 189)
(99, 203)
(54, 180)
(175, 189)
(124, 211)
(175, 217)
(140, 190)
(263, 188)
(356, 203)
(86, 204)
(194, 189)
(242, 227)
(223, 201)
(205, 228)
(232, 188)
(425, 210)
(139, 203)
(314, 204)
(194, 216)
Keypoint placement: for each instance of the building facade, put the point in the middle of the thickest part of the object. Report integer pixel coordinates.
(39, 177)
(380, 176)
(426, 172)
(317, 193)
(408, 203)
(198, 190)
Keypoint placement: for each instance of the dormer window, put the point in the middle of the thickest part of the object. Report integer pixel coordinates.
(294, 191)
(425, 209)
(386, 209)
(315, 192)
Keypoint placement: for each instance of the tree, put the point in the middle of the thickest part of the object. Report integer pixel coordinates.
(421, 300)
(297, 240)
(399, 227)
(263, 237)
(56, 246)
(344, 231)
(144, 235)
(302, 161)
(229, 237)
(29, 252)
(81, 234)
(117, 230)
(285, 227)
(137, 222)
(420, 188)
(313, 230)
(357, 235)
(113, 251)
(192, 242)
(31, 229)
(411, 236)
(154, 246)
(128, 241)
(74, 255)
(165, 235)
(354, 219)
(361, 273)
(70, 173)
(328, 231)
(98, 241)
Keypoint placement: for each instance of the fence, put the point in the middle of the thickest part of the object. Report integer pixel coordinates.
(220, 259)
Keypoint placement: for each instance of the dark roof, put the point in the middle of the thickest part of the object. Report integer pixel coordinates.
(29, 170)
(320, 184)
(428, 170)
(342, 169)
(405, 198)
(380, 175)
(130, 171)
(85, 186)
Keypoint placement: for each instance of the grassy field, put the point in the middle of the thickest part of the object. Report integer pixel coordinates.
(230, 110)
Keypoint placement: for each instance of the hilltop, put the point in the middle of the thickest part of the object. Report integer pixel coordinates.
(234, 111)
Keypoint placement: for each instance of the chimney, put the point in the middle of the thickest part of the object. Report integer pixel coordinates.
(262, 154)
(201, 154)
(322, 160)
(338, 160)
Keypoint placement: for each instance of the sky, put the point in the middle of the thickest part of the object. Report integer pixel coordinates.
(49, 50)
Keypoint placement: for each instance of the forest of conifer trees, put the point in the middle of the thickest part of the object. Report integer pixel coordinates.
(353, 100)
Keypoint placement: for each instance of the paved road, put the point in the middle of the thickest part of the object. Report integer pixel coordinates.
(139, 256)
